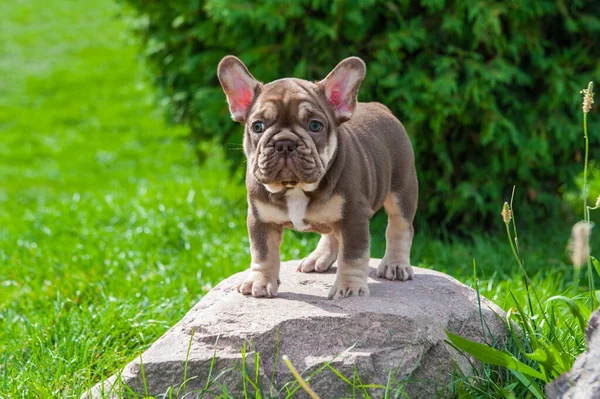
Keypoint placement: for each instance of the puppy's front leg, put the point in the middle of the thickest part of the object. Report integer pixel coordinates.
(321, 259)
(265, 240)
(353, 259)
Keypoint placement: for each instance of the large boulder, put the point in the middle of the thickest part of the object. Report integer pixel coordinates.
(397, 333)
(583, 381)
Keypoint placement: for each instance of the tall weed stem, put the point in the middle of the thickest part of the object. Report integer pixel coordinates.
(508, 216)
(586, 214)
(517, 255)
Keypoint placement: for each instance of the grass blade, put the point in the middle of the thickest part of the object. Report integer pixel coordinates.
(299, 378)
(143, 376)
(573, 307)
(493, 356)
(530, 385)
(185, 366)
(596, 264)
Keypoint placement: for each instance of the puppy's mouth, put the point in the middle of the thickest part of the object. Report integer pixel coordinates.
(287, 170)
(287, 174)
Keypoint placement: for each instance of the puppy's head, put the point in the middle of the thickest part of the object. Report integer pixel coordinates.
(290, 135)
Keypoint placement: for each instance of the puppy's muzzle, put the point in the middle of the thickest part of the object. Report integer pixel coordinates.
(286, 159)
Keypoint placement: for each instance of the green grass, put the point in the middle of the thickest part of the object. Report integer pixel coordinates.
(109, 229)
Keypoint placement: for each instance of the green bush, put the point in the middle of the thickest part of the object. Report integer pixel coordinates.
(484, 88)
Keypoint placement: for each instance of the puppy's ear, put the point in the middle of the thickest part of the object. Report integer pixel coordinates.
(239, 86)
(341, 87)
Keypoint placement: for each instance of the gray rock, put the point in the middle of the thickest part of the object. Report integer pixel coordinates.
(397, 332)
(583, 380)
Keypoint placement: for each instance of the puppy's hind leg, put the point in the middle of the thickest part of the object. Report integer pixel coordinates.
(321, 259)
(395, 264)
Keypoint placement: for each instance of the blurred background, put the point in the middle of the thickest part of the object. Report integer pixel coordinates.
(121, 173)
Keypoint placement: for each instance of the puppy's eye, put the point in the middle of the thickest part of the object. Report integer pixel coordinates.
(258, 127)
(315, 126)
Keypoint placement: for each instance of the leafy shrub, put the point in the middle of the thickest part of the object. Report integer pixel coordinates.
(486, 89)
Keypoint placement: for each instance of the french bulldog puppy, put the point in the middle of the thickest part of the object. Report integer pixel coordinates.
(320, 161)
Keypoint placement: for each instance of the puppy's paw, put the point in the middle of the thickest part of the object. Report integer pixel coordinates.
(317, 261)
(259, 285)
(394, 270)
(343, 290)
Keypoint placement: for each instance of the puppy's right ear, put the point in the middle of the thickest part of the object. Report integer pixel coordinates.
(239, 86)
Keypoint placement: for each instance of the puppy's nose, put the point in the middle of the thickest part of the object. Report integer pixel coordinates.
(285, 146)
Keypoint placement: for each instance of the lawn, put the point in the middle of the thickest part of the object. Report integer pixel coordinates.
(110, 230)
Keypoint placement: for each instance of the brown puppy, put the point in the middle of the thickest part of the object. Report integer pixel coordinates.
(320, 161)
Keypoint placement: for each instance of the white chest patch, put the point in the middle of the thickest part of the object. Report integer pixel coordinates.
(296, 204)
(297, 213)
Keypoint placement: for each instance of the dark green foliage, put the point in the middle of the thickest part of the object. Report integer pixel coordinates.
(486, 89)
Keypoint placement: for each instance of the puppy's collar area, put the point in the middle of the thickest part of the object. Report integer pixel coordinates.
(309, 187)
(277, 188)
(274, 188)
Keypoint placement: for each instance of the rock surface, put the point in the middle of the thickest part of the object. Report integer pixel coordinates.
(397, 331)
(583, 381)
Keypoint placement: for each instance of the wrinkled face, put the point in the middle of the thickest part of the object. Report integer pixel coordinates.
(290, 135)
(290, 124)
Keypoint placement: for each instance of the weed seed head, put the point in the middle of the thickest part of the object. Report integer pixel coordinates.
(506, 213)
(579, 246)
(598, 202)
(588, 97)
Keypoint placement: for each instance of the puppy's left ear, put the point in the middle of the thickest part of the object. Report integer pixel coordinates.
(239, 85)
(341, 87)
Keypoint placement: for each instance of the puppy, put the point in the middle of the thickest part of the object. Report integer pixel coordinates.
(320, 161)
